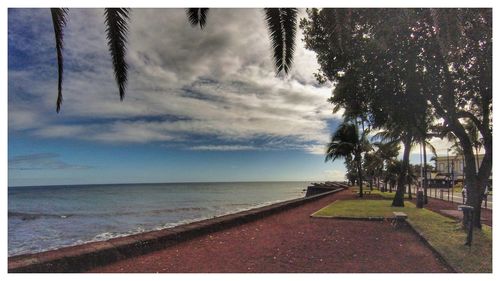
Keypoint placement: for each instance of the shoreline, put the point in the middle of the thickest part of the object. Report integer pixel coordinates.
(83, 257)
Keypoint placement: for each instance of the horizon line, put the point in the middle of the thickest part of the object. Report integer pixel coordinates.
(182, 182)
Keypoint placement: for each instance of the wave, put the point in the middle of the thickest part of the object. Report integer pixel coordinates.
(34, 216)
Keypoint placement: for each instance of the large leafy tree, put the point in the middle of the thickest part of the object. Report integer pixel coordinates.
(456, 50)
(366, 87)
(442, 55)
(281, 23)
(349, 143)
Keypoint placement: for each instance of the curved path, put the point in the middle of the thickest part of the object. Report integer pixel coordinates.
(292, 241)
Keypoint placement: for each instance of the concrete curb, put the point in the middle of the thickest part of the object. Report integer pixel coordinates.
(352, 218)
(84, 257)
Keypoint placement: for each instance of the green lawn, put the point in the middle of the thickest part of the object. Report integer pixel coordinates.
(387, 195)
(443, 233)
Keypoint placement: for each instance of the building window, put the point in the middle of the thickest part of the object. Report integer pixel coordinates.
(441, 167)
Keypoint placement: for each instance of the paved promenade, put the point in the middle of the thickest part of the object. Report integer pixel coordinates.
(292, 241)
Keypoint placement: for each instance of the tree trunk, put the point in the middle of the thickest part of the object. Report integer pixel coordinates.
(477, 158)
(425, 183)
(371, 183)
(360, 177)
(476, 178)
(398, 200)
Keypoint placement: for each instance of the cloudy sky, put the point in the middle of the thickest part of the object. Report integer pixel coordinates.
(201, 105)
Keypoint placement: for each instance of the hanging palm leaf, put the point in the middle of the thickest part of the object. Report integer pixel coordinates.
(289, 19)
(273, 19)
(59, 22)
(116, 20)
(282, 26)
(197, 16)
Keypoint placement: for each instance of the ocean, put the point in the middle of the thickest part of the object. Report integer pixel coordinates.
(42, 218)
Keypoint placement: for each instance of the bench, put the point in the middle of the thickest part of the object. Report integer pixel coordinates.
(398, 218)
(364, 191)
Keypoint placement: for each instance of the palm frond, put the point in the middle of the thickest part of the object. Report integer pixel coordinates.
(386, 136)
(289, 19)
(116, 32)
(273, 19)
(59, 22)
(197, 16)
(282, 26)
(433, 149)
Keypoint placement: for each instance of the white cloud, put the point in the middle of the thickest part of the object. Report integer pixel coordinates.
(224, 147)
(217, 82)
(334, 175)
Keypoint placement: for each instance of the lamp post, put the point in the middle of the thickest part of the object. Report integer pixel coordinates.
(448, 160)
(452, 178)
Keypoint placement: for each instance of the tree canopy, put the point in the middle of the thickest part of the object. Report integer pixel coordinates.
(404, 69)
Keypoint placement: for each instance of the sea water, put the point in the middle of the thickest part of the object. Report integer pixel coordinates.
(42, 218)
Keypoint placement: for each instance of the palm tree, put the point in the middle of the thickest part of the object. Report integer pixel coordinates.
(373, 166)
(392, 172)
(348, 143)
(412, 177)
(398, 132)
(387, 152)
(281, 23)
(426, 144)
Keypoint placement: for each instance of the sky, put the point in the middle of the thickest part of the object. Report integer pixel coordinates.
(200, 105)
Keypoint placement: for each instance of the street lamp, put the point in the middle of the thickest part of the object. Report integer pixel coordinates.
(452, 178)
(449, 180)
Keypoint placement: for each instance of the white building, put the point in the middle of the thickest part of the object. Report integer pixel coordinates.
(453, 166)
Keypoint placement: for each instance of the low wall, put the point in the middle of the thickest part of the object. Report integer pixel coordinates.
(319, 189)
(83, 257)
(315, 190)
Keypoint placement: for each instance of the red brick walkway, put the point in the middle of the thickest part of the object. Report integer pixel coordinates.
(292, 241)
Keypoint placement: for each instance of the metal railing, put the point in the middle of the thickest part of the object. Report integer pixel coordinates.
(447, 194)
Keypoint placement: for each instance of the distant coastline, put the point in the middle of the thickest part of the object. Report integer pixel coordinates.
(155, 183)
